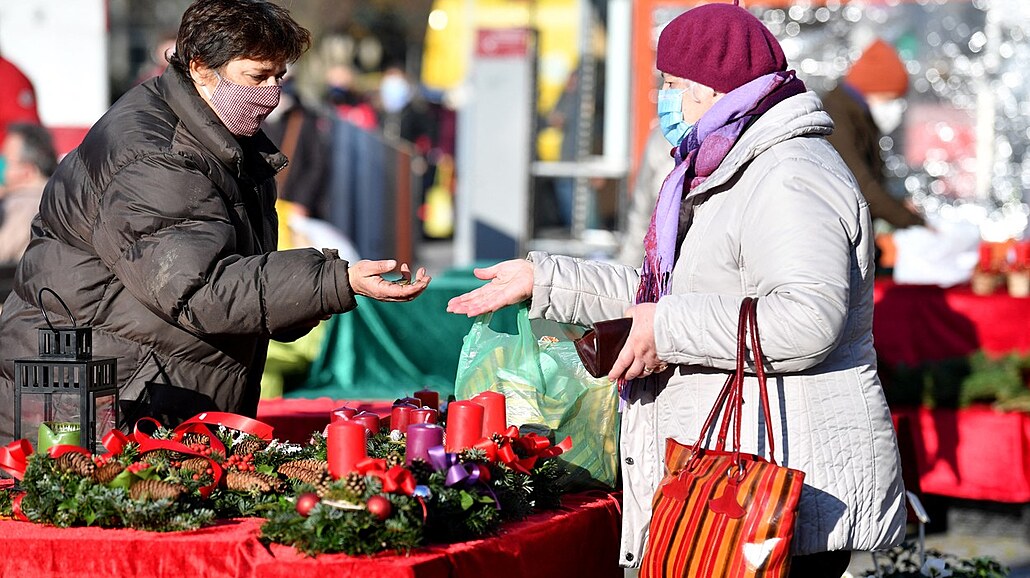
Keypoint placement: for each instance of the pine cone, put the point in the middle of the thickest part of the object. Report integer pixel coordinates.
(421, 470)
(394, 460)
(106, 473)
(298, 473)
(251, 481)
(309, 464)
(195, 465)
(249, 445)
(497, 438)
(322, 484)
(155, 490)
(192, 438)
(76, 463)
(157, 456)
(355, 483)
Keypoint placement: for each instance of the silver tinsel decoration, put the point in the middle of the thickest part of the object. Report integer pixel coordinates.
(963, 148)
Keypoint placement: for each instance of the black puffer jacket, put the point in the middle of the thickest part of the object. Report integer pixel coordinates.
(160, 231)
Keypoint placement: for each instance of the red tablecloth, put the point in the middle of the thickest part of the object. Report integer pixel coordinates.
(581, 539)
(975, 453)
(295, 419)
(914, 323)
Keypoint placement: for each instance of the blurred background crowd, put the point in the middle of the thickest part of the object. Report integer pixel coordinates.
(509, 125)
(455, 132)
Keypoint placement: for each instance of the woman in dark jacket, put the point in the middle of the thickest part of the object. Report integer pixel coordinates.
(159, 231)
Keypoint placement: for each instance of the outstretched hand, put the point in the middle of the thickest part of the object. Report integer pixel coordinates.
(510, 282)
(366, 279)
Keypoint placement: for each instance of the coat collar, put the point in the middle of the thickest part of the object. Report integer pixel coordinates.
(202, 122)
(800, 115)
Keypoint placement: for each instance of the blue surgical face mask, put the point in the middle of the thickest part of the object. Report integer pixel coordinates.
(670, 115)
(3, 169)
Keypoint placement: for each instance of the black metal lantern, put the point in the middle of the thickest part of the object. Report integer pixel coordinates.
(65, 387)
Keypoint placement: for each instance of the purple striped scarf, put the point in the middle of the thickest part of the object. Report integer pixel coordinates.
(698, 156)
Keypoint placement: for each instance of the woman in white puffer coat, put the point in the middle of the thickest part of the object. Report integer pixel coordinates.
(759, 205)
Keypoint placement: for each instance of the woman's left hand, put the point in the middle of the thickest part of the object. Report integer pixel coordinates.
(639, 357)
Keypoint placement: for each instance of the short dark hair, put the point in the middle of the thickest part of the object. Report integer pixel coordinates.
(37, 148)
(217, 31)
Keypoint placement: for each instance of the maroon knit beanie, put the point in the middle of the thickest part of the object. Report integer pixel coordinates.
(721, 46)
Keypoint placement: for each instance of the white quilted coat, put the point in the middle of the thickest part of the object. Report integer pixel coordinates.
(781, 219)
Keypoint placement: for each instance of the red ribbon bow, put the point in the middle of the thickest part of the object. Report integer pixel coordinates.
(14, 457)
(396, 480)
(534, 446)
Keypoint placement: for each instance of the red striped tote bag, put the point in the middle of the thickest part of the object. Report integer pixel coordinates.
(722, 513)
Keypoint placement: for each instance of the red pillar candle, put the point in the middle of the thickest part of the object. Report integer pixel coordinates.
(986, 257)
(419, 439)
(423, 415)
(495, 417)
(1022, 256)
(464, 425)
(400, 417)
(428, 398)
(345, 447)
(343, 414)
(369, 420)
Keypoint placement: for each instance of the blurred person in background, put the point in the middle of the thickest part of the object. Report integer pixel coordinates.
(303, 136)
(28, 161)
(758, 205)
(655, 164)
(158, 58)
(346, 101)
(17, 97)
(864, 107)
(159, 230)
(405, 114)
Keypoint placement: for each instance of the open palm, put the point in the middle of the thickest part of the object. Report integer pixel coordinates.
(509, 282)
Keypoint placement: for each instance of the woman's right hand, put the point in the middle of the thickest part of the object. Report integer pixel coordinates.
(510, 282)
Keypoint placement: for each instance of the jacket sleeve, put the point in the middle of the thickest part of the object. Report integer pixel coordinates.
(578, 291)
(798, 235)
(165, 232)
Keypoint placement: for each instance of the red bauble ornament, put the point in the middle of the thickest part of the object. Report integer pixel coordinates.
(307, 501)
(379, 507)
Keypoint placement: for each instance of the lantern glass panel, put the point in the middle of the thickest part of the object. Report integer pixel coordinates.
(49, 408)
(105, 419)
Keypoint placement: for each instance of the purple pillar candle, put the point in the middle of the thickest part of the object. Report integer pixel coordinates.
(420, 438)
(369, 420)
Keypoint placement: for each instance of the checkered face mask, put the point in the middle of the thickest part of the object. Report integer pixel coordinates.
(242, 108)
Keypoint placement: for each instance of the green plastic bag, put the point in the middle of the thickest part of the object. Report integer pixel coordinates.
(545, 383)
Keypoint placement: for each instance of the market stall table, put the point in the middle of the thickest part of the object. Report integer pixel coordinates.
(973, 453)
(916, 323)
(580, 539)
